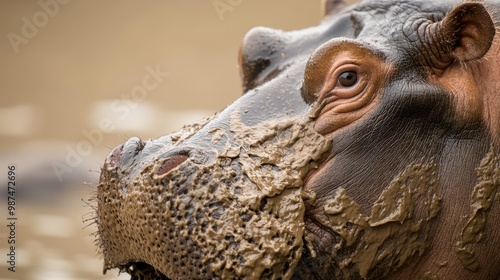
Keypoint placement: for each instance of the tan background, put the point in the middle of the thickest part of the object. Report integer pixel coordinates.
(63, 80)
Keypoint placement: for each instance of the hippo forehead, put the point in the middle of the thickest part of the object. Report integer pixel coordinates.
(389, 28)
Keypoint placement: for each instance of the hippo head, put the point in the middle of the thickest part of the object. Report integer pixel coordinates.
(362, 148)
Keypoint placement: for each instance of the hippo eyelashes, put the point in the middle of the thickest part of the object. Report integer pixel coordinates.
(343, 79)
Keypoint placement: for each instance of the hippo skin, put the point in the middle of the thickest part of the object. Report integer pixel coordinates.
(367, 147)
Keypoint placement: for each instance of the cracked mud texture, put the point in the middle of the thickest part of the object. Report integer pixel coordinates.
(396, 229)
(482, 198)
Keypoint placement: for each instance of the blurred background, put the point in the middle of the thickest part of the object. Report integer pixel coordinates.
(80, 77)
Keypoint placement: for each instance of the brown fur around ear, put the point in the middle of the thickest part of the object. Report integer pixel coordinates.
(473, 30)
(465, 34)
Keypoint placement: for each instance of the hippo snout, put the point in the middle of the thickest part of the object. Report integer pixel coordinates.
(172, 209)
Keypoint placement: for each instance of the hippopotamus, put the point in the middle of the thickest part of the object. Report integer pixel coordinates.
(366, 147)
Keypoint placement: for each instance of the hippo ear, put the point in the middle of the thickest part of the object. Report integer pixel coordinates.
(333, 6)
(467, 33)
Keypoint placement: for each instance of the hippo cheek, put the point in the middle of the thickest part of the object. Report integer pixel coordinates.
(242, 214)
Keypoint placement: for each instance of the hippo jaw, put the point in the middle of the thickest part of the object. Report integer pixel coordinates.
(239, 214)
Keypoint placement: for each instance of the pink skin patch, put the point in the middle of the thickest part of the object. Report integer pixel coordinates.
(171, 163)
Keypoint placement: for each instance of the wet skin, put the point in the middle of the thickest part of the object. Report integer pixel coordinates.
(366, 147)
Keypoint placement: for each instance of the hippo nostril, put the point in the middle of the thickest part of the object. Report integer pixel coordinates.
(171, 163)
(174, 157)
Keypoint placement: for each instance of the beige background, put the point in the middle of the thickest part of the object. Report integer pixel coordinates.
(60, 79)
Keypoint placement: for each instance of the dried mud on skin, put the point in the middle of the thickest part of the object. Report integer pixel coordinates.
(240, 217)
(484, 194)
(396, 229)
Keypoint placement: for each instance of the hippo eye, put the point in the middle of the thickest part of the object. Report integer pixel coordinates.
(348, 78)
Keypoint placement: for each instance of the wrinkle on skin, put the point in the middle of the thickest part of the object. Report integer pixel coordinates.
(337, 107)
(485, 75)
(474, 89)
(464, 93)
